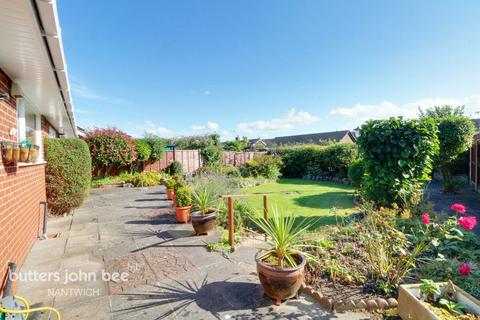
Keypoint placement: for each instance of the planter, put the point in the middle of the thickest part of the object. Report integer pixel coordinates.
(174, 200)
(203, 223)
(411, 307)
(280, 284)
(183, 214)
(24, 151)
(16, 152)
(7, 151)
(169, 194)
(33, 154)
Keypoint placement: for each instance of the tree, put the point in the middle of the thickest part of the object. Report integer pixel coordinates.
(455, 135)
(238, 144)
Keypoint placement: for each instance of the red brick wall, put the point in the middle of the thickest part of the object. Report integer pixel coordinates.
(22, 189)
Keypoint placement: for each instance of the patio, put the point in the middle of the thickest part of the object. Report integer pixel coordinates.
(171, 275)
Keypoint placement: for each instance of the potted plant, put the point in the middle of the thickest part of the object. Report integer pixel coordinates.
(281, 265)
(179, 183)
(24, 151)
(33, 153)
(434, 301)
(7, 150)
(169, 184)
(183, 204)
(16, 152)
(204, 217)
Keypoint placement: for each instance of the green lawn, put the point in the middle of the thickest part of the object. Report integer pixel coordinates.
(312, 200)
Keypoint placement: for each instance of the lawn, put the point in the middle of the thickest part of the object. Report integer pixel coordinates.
(312, 200)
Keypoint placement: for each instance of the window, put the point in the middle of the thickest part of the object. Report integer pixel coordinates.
(29, 127)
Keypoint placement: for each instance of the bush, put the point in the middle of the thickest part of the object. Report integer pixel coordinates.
(398, 156)
(146, 179)
(157, 146)
(356, 172)
(331, 160)
(144, 150)
(110, 148)
(68, 174)
(179, 183)
(183, 197)
(103, 181)
(174, 168)
(209, 146)
(170, 183)
(228, 170)
(267, 166)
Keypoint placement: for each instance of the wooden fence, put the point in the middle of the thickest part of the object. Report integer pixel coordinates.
(191, 161)
(239, 159)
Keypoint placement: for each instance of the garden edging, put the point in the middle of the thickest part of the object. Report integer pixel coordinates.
(343, 305)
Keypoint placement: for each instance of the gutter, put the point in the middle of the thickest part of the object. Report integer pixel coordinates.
(59, 70)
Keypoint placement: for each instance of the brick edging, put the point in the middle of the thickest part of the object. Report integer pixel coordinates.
(349, 305)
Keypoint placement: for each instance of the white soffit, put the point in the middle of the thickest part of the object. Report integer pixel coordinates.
(33, 58)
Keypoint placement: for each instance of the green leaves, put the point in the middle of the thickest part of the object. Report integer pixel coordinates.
(398, 158)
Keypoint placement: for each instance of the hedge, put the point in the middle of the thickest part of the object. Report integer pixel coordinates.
(68, 174)
(332, 160)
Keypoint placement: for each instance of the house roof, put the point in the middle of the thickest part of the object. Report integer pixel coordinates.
(31, 53)
(314, 137)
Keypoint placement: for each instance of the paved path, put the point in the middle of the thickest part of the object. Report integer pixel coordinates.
(466, 196)
(170, 273)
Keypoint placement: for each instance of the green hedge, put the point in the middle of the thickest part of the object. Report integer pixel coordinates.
(332, 160)
(68, 174)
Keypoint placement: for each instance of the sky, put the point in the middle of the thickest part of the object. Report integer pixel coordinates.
(261, 68)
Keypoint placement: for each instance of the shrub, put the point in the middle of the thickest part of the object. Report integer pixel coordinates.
(174, 168)
(110, 148)
(170, 183)
(183, 197)
(356, 171)
(228, 170)
(209, 146)
(157, 146)
(68, 174)
(398, 156)
(179, 183)
(267, 166)
(144, 150)
(237, 145)
(330, 160)
(103, 181)
(146, 179)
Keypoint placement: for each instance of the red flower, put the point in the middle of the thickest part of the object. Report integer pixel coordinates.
(460, 208)
(464, 269)
(426, 218)
(467, 223)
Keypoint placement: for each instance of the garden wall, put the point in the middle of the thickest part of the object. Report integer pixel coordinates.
(22, 191)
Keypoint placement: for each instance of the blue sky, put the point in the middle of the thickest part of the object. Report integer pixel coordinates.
(266, 68)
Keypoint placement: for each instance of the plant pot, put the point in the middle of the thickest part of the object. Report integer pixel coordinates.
(174, 200)
(203, 223)
(169, 194)
(7, 151)
(183, 214)
(411, 307)
(24, 154)
(33, 154)
(16, 153)
(280, 284)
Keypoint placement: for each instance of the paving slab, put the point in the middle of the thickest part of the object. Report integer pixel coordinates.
(169, 272)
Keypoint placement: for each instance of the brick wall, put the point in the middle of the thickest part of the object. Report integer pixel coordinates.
(22, 189)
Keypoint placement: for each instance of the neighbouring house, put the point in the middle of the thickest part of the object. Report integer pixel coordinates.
(35, 102)
(474, 174)
(345, 136)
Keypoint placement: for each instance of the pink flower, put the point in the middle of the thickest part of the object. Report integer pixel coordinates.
(460, 208)
(467, 223)
(464, 269)
(426, 218)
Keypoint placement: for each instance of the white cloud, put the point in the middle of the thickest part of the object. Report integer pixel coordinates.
(360, 113)
(292, 119)
(209, 127)
(151, 128)
(83, 91)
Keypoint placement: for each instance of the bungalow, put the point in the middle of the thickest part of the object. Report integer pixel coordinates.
(35, 102)
(474, 174)
(345, 136)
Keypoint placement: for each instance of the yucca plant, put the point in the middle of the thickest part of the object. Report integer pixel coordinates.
(286, 237)
(203, 200)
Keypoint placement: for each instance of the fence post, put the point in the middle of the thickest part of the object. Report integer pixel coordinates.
(231, 240)
(265, 207)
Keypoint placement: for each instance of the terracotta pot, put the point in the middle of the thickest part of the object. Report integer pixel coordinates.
(24, 154)
(183, 214)
(203, 223)
(280, 284)
(169, 194)
(16, 153)
(174, 200)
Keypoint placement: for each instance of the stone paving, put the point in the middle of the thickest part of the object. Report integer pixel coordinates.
(171, 275)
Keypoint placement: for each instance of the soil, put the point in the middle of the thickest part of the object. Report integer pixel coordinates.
(445, 314)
